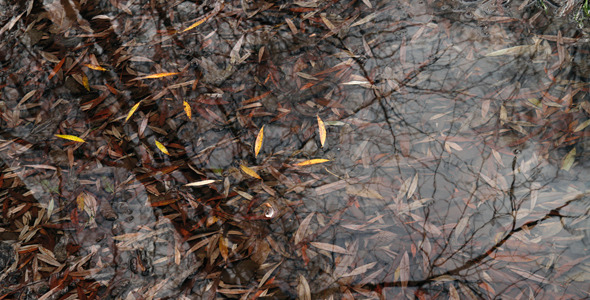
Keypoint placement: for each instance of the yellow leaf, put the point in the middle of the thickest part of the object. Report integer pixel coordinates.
(95, 67)
(258, 143)
(322, 129)
(199, 22)
(85, 82)
(157, 75)
(312, 162)
(568, 160)
(70, 137)
(80, 202)
(162, 148)
(250, 172)
(187, 109)
(133, 109)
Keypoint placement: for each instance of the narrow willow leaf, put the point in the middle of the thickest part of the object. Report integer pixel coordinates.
(132, 111)
(187, 109)
(250, 172)
(582, 126)
(302, 230)
(157, 75)
(322, 129)
(85, 82)
(70, 137)
(312, 162)
(200, 183)
(329, 247)
(162, 148)
(197, 23)
(80, 202)
(568, 160)
(258, 143)
(95, 67)
(303, 290)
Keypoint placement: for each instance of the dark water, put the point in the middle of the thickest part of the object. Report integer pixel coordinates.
(456, 139)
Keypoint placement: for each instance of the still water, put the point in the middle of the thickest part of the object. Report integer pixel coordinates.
(311, 149)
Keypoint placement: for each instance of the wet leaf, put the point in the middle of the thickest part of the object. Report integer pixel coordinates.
(329, 247)
(413, 186)
(250, 172)
(162, 148)
(568, 160)
(312, 162)
(85, 82)
(95, 67)
(157, 75)
(70, 137)
(197, 23)
(187, 109)
(453, 294)
(303, 291)
(201, 183)
(57, 68)
(582, 126)
(404, 270)
(302, 230)
(132, 111)
(80, 202)
(322, 129)
(360, 270)
(223, 248)
(258, 143)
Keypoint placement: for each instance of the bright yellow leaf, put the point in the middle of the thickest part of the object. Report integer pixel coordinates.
(162, 148)
(70, 137)
(187, 109)
(312, 162)
(80, 202)
(157, 75)
(322, 130)
(199, 22)
(250, 172)
(95, 67)
(132, 111)
(258, 143)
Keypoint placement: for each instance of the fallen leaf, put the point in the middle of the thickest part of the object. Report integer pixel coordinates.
(329, 247)
(200, 183)
(95, 67)
(360, 270)
(303, 290)
(582, 126)
(302, 230)
(70, 137)
(162, 148)
(197, 23)
(259, 140)
(312, 162)
(322, 130)
(187, 109)
(568, 160)
(250, 172)
(80, 202)
(85, 82)
(132, 111)
(157, 75)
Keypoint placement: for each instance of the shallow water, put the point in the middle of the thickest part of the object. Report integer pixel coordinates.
(456, 136)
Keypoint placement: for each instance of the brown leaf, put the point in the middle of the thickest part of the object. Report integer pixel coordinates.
(302, 230)
(329, 247)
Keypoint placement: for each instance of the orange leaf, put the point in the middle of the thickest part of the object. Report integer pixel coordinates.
(95, 67)
(199, 22)
(85, 82)
(312, 162)
(322, 130)
(133, 109)
(250, 172)
(162, 148)
(157, 75)
(187, 109)
(70, 137)
(258, 143)
(61, 63)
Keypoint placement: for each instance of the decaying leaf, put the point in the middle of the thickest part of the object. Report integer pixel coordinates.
(303, 291)
(70, 137)
(258, 143)
(250, 172)
(201, 183)
(162, 148)
(329, 247)
(187, 109)
(312, 162)
(568, 160)
(302, 230)
(322, 130)
(132, 111)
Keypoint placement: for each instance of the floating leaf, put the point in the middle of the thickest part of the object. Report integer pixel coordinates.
(187, 109)
(568, 160)
(132, 111)
(312, 162)
(95, 67)
(70, 137)
(259, 140)
(200, 183)
(250, 172)
(162, 148)
(322, 130)
(157, 75)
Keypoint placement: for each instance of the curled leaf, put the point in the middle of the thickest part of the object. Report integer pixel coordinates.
(259, 140)
(162, 148)
(312, 162)
(132, 111)
(322, 129)
(187, 109)
(70, 137)
(250, 172)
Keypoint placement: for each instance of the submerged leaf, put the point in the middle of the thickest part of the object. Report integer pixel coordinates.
(568, 160)
(258, 143)
(70, 137)
(162, 148)
(187, 109)
(329, 247)
(133, 109)
(312, 162)
(250, 172)
(322, 129)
